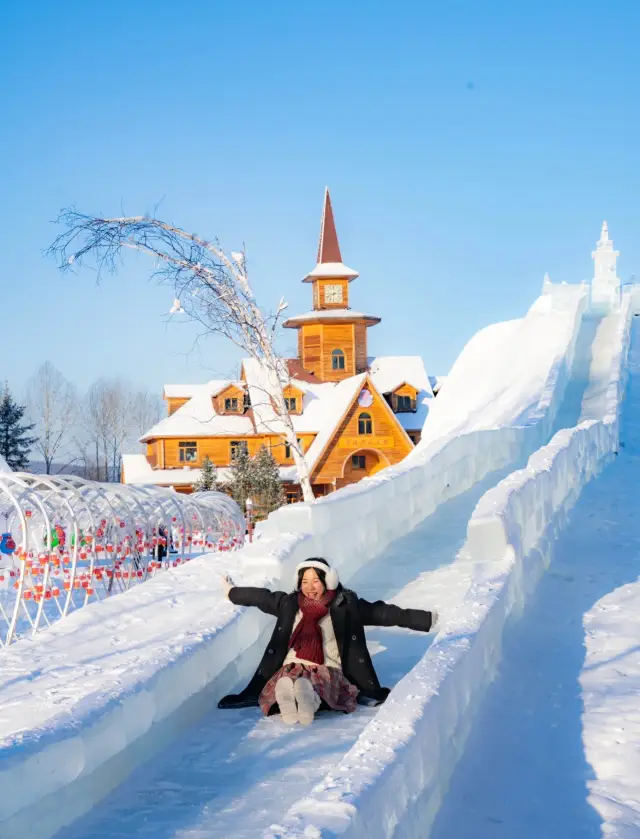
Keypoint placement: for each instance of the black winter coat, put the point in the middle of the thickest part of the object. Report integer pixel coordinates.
(349, 615)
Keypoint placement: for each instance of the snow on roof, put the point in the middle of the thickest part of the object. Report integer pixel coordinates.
(336, 406)
(390, 371)
(187, 391)
(332, 314)
(197, 418)
(323, 404)
(331, 269)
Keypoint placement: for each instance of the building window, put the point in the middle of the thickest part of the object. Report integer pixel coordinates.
(236, 446)
(405, 404)
(188, 452)
(337, 360)
(365, 424)
(292, 497)
(413, 438)
(231, 404)
(358, 461)
(287, 449)
(246, 401)
(291, 402)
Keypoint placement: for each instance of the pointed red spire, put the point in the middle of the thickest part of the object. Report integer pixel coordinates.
(328, 247)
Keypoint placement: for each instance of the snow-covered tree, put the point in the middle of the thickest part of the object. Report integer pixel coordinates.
(268, 493)
(208, 479)
(240, 484)
(51, 406)
(15, 442)
(209, 286)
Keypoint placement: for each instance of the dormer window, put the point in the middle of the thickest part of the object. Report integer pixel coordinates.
(337, 360)
(405, 404)
(291, 402)
(231, 404)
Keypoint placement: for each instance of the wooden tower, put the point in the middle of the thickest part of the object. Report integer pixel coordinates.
(332, 339)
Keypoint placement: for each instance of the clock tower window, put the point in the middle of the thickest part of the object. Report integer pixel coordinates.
(337, 360)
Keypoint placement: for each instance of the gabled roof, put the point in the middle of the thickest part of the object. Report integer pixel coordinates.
(323, 403)
(297, 371)
(198, 418)
(388, 372)
(329, 257)
(346, 394)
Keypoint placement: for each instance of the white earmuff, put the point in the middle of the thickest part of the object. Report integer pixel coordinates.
(331, 575)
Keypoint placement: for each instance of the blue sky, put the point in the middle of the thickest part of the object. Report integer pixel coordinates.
(469, 147)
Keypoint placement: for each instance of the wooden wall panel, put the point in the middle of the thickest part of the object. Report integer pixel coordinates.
(173, 404)
(360, 347)
(312, 348)
(218, 449)
(387, 438)
(406, 390)
(338, 337)
(152, 453)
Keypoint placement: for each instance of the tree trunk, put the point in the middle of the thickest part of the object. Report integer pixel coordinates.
(277, 395)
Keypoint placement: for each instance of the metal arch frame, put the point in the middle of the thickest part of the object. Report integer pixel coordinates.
(131, 515)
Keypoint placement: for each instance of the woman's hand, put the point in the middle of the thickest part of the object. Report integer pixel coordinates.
(227, 585)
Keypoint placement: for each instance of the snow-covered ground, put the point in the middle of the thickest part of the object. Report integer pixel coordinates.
(237, 774)
(233, 773)
(555, 749)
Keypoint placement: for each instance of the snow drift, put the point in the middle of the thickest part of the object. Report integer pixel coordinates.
(177, 636)
(398, 771)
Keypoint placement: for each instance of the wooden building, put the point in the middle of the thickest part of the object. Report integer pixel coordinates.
(354, 413)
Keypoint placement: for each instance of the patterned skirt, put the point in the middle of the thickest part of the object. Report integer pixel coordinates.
(328, 682)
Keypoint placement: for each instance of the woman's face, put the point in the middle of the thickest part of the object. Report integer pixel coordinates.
(311, 585)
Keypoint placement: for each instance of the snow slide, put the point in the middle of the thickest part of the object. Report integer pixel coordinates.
(75, 728)
(566, 695)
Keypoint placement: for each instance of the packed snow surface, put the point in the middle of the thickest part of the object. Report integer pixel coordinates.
(559, 729)
(170, 656)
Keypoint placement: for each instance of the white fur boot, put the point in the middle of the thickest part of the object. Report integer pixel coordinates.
(308, 701)
(286, 700)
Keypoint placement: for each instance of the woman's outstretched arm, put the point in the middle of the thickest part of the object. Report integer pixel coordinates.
(386, 614)
(263, 599)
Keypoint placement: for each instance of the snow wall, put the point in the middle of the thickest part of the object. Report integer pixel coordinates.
(398, 771)
(175, 645)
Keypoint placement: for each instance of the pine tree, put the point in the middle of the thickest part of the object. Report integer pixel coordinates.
(208, 479)
(239, 485)
(266, 484)
(15, 444)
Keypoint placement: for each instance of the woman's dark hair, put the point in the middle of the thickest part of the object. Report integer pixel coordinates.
(322, 576)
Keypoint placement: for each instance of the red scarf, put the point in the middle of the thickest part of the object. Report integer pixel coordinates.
(306, 638)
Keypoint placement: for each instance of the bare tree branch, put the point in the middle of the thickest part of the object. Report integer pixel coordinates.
(211, 288)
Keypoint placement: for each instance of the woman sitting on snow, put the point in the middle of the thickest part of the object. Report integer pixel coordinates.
(317, 656)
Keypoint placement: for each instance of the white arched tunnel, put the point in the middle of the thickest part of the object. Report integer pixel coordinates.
(66, 541)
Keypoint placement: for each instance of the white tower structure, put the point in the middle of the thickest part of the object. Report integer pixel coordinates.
(605, 286)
